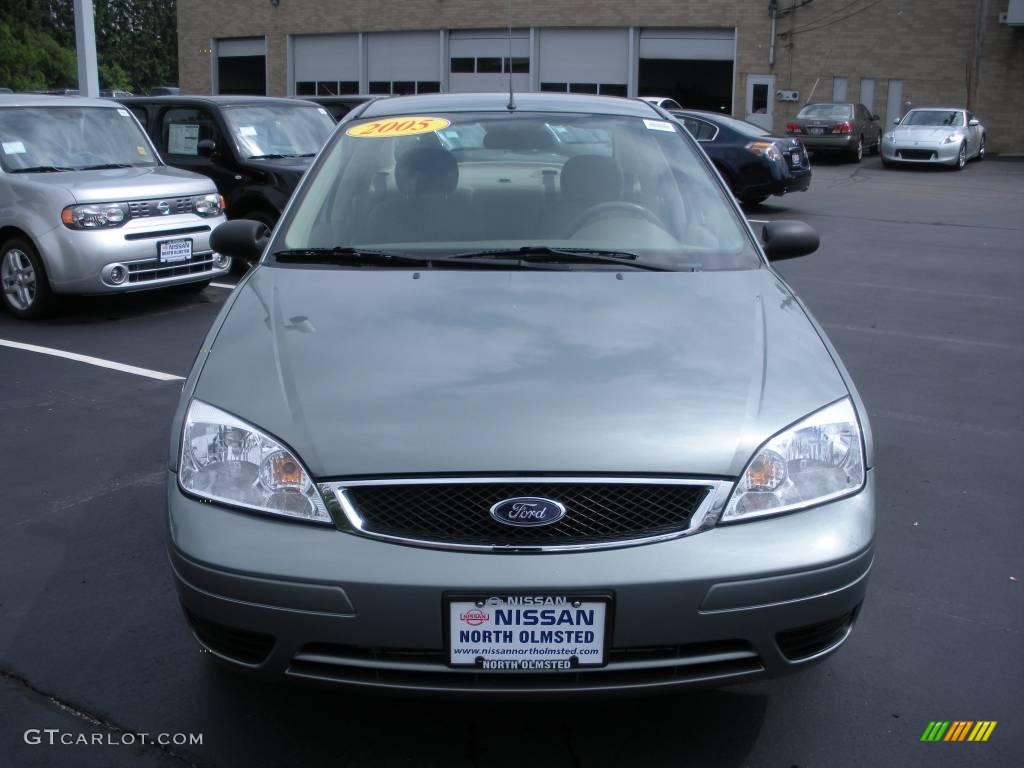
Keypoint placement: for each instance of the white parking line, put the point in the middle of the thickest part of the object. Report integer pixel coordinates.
(98, 361)
(229, 286)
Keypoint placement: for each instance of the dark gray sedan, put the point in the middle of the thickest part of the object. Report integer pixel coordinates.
(515, 417)
(843, 127)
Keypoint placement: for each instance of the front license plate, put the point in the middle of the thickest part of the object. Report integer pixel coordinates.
(527, 633)
(816, 131)
(175, 250)
(796, 158)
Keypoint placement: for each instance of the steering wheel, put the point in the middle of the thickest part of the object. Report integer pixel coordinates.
(615, 205)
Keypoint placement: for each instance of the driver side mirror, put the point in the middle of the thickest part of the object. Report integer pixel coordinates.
(242, 239)
(895, 121)
(787, 240)
(206, 147)
(974, 121)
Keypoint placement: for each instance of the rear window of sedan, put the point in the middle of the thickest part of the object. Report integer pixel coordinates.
(827, 111)
(468, 182)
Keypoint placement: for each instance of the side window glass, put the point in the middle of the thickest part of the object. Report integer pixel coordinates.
(183, 128)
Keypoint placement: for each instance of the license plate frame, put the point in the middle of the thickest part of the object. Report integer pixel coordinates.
(512, 664)
(815, 131)
(177, 251)
(797, 157)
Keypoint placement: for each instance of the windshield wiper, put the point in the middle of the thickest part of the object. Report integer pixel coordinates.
(41, 169)
(349, 255)
(103, 167)
(279, 156)
(544, 254)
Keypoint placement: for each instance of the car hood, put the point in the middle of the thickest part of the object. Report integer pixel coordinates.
(120, 184)
(390, 371)
(924, 132)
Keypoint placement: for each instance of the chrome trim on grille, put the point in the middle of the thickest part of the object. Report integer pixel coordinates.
(142, 209)
(704, 517)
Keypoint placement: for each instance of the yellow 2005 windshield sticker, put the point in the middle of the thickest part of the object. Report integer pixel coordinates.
(397, 126)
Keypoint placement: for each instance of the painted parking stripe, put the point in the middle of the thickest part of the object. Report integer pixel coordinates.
(229, 286)
(88, 359)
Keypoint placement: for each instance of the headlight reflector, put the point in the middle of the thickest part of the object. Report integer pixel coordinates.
(225, 459)
(95, 216)
(818, 459)
(208, 205)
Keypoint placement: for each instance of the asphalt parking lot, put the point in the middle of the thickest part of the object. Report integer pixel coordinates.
(919, 284)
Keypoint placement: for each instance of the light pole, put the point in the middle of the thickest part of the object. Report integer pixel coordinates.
(85, 48)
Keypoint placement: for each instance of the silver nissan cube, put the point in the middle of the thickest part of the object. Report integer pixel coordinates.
(526, 410)
(87, 206)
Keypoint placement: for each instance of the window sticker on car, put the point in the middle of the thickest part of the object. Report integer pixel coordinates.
(246, 130)
(141, 150)
(123, 113)
(321, 110)
(397, 126)
(183, 139)
(659, 125)
(13, 148)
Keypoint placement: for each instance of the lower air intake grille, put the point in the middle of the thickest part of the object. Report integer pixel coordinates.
(804, 642)
(144, 271)
(239, 644)
(459, 513)
(917, 154)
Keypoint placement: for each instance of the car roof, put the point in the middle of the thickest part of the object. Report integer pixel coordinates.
(343, 99)
(937, 109)
(498, 102)
(211, 100)
(44, 100)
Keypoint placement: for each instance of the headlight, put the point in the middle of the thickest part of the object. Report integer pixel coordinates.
(95, 216)
(224, 459)
(953, 137)
(890, 136)
(817, 459)
(208, 205)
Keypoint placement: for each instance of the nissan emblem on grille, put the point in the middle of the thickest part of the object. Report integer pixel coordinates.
(164, 207)
(527, 511)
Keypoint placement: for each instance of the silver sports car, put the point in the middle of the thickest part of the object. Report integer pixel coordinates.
(944, 135)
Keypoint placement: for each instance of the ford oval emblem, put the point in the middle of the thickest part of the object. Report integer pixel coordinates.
(527, 511)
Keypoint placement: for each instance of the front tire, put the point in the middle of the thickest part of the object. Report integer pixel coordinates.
(961, 157)
(981, 150)
(23, 283)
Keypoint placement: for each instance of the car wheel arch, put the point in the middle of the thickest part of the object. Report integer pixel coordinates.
(11, 232)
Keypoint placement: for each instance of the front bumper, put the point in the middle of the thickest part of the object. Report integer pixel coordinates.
(734, 603)
(79, 261)
(920, 152)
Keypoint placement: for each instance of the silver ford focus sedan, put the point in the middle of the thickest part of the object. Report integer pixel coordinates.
(513, 401)
(937, 136)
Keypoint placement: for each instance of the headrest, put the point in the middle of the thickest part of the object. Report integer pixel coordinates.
(591, 179)
(519, 137)
(427, 171)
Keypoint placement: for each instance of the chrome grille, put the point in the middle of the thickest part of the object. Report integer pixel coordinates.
(141, 209)
(457, 512)
(144, 271)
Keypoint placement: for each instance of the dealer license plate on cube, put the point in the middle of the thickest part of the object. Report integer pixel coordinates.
(172, 251)
(527, 633)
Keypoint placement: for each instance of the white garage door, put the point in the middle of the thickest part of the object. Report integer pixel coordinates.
(691, 44)
(325, 65)
(584, 60)
(479, 60)
(404, 62)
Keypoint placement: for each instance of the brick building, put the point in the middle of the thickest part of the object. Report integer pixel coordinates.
(711, 54)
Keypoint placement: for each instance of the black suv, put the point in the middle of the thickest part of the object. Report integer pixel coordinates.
(254, 148)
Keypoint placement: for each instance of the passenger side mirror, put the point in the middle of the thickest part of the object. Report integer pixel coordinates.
(242, 239)
(895, 121)
(788, 239)
(973, 122)
(206, 147)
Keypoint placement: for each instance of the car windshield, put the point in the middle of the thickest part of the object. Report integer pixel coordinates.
(936, 117)
(460, 183)
(37, 139)
(827, 111)
(278, 130)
